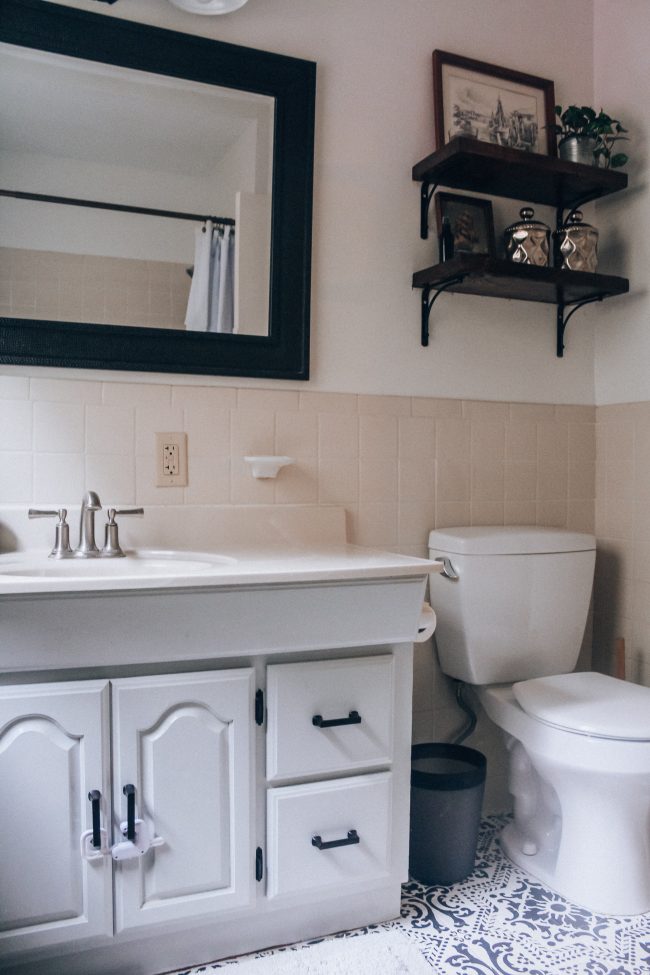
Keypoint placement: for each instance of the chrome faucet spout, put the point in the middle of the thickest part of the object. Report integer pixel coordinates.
(87, 549)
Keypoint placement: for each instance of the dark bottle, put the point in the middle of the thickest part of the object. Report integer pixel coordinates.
(446, 241)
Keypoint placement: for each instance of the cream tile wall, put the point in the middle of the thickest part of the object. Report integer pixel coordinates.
(88, 288)
(622, 590)
(400, 465)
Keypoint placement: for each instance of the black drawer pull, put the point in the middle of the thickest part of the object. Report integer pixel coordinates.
(350, 840)
(353, 718)
(94, 798)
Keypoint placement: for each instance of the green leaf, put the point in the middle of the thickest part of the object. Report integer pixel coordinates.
(618, 160)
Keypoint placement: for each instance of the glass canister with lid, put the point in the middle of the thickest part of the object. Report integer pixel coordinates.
(528, 240)
(577, 243)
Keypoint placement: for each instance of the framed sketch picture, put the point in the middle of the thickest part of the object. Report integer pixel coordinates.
(492, 104)
(470, 220)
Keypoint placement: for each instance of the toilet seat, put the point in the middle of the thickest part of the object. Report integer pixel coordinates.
(588, 704)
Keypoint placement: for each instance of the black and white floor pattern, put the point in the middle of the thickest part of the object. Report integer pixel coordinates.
(500, 921)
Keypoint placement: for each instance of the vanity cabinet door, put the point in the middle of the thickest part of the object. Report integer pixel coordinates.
(185, 742)
(54, 748)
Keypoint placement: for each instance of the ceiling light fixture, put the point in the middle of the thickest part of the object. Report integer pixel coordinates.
(208, 6)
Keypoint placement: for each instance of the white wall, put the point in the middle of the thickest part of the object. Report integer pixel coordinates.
(374, 121)
(622, 83)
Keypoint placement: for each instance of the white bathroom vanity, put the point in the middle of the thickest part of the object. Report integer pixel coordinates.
(201, 753)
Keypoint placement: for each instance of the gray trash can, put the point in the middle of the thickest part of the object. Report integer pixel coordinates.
(447, 784)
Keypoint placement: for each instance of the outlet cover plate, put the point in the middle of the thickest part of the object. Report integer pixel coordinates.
(171, 460)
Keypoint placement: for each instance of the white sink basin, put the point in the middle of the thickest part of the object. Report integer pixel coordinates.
(140, 564)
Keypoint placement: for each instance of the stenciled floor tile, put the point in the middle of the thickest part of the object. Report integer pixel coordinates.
(501, 921)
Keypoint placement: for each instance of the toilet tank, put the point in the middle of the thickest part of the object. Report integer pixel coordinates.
(519, 606)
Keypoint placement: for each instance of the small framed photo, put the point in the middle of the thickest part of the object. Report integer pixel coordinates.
(471, 222)
(492, 104)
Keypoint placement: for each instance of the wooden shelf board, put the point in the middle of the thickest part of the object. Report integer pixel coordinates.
(487, 276)
(481, 167)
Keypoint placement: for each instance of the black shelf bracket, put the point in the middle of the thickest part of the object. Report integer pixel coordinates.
(427, 302)
(577, 204)
(426, 193)
(563, 320)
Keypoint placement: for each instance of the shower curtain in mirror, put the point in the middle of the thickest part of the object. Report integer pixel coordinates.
(210, 307)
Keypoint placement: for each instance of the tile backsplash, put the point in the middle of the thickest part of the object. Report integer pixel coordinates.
(400, 465)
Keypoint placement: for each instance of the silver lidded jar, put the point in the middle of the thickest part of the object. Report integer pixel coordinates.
(528, 240)
(578, 244)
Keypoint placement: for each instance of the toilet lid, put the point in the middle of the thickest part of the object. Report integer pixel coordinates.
(588, 704)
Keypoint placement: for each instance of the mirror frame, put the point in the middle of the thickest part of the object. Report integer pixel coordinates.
(284, 352)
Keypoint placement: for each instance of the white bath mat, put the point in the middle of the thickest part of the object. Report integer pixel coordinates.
(380, 953)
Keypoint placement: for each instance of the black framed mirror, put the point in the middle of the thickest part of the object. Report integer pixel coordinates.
(47, 31)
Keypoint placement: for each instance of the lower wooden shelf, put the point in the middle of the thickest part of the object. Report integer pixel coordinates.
(479, 274)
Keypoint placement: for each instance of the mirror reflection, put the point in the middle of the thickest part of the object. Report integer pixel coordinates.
(198, 155)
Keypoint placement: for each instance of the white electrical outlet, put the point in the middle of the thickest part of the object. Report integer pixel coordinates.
(171, 460)
(171, 466)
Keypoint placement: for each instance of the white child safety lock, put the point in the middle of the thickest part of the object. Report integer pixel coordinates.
(139, 836)
(137, 847)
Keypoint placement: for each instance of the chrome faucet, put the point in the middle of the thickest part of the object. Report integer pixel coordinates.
(87, 549)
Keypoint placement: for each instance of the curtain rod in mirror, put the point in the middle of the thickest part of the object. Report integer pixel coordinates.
(122, 207)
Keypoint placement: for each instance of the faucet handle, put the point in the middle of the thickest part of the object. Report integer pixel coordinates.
(43, 513)
(139, 512)
(112, 549)
(61, 548)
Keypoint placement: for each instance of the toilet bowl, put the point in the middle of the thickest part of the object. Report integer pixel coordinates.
(511, 623)
(581, 799)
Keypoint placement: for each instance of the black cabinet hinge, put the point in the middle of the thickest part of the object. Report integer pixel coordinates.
(259, 707)
(259, 864)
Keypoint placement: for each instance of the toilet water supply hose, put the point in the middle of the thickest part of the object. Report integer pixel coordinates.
(471, 716)
(463, 705)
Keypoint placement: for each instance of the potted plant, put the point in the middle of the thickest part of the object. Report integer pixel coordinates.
(588, 136)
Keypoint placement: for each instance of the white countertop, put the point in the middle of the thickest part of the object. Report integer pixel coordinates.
(31, 571)
(198, 546)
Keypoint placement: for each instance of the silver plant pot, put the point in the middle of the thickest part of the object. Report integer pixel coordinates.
(578, 149)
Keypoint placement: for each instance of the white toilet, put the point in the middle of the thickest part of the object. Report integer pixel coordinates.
(511, 624)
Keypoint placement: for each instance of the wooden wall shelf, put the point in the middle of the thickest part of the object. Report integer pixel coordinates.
(478, 274)
(480, 167)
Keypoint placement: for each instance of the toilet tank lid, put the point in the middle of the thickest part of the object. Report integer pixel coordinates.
(509, 540)
(588, 704)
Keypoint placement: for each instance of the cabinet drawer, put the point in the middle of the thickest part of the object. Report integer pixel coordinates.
(331, 689)
(332, 810)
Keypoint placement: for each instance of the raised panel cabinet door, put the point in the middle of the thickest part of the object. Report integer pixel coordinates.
(54, 750)
(185, 742)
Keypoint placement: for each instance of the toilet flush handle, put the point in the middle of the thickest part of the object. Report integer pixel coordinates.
(448, 570)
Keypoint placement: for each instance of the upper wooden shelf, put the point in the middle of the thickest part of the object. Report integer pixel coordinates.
(481, 167)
